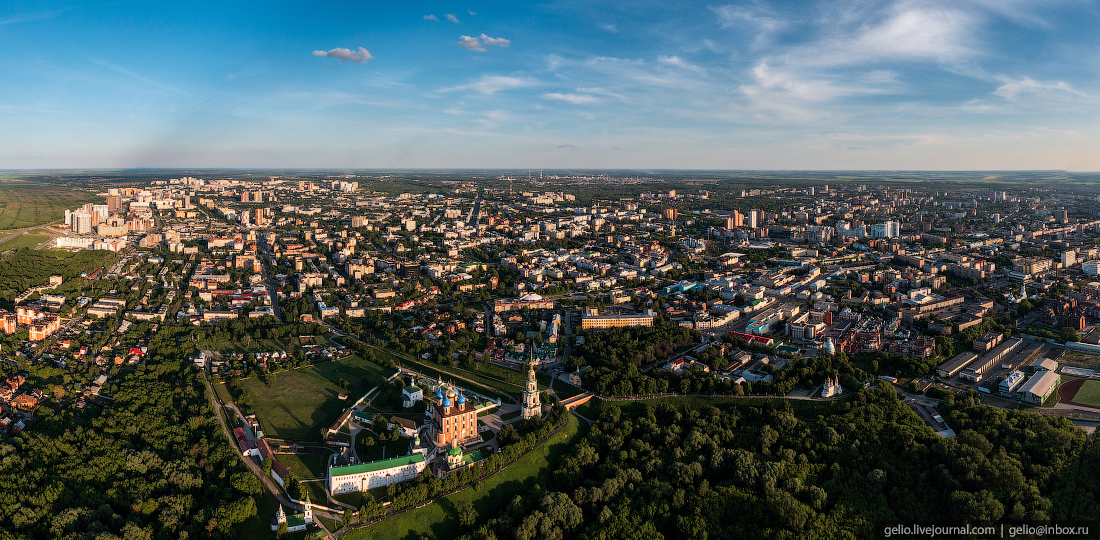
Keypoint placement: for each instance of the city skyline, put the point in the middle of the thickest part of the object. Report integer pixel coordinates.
(926, 85)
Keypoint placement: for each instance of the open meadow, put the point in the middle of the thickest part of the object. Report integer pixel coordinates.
(303, 401)
(25, 205)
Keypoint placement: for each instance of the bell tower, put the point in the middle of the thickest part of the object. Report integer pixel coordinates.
(531, 405)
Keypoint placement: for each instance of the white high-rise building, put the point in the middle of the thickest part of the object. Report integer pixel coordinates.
(753, 218)
(889, 229)
(100, 213)
(81, 222)
(1069, 258)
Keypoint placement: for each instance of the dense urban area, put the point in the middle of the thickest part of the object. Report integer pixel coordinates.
(545, 354)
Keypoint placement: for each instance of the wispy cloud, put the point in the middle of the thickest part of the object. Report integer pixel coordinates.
(575, 99)
(1013, 89)
(614, 29)
(346, 55)
(479, 43)
(758, 17)
(123, 71)
(28, 17)
(431, 18)
(451, 17)
(491, 84)
(680, 63)
(471, 12)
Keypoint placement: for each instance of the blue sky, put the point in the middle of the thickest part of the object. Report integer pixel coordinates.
(837, 84)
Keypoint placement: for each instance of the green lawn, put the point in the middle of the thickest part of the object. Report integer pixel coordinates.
(481, 384)
(439, 520)
(222, 391)
(24, 240)
(355, 498)
(508, 416)
(1089, 393)
(304, 466)
(303, 401)
(380, 449)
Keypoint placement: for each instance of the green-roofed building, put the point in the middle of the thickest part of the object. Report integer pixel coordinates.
(364, 476)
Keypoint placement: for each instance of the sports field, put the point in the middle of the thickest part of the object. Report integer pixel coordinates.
(1088, 394)
(303, 401)
(25, 205)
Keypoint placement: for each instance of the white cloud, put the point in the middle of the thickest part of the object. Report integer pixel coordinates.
(731, 16)
(346, 55)
(491, 84)
(614, 29)
(499, 42)
(431, 18)
(479, 43)
(680, 63)
(451, 17)
(471, 12)
(922, 33)
(575, 99)
(1013, 89)
(471, 43)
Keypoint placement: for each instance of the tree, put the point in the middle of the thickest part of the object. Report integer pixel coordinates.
(1069, 334)
(281, 531)
(467, 515)
(266, 467)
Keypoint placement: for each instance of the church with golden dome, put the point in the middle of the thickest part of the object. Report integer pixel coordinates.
(454, 419)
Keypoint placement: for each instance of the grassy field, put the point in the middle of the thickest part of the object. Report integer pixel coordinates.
(24, 240)
(222, 391)
(304, 466)
(1079, 357)
(479, 385)
(25, 205)
(1089, 393)
(302, 401)
(439, 520)
(508, 416)
(379, 449)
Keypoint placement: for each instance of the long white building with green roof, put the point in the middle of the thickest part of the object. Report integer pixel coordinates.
(364, 476)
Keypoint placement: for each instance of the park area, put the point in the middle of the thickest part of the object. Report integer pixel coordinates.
(1081, 392)
(439, 520)
(303, 401)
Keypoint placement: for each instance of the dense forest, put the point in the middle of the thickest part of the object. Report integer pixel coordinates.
(618, 357)
(672, 470)
(152, 464)
(21, 269)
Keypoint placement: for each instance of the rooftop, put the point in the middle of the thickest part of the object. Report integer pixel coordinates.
(379, 465)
